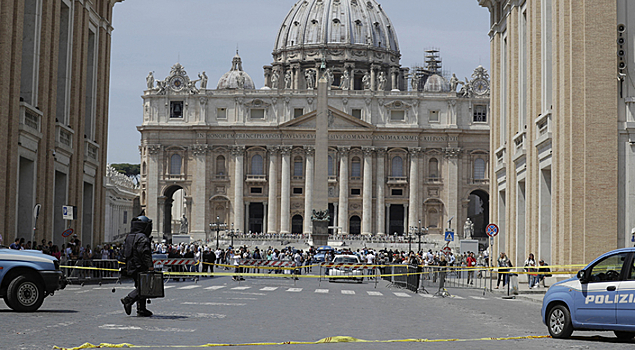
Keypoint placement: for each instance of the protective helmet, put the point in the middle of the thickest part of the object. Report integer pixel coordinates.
(143, 218)
(143, 224)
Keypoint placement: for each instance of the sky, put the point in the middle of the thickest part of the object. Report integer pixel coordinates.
(202, 35)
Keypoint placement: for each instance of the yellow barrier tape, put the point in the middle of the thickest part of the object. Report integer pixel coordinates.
(329, 340)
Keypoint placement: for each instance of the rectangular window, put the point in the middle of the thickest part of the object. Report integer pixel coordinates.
(257, 113)
(480, 113)
(256, 190)
(298, 112)
(176, 109)
(356, 191)
(297, 168)
(396, 192)
(297, 190)
(125, 216)
(63, 68)
(30, 51)
(91, 91)
(397, 115)
(221, 113)
(356, 169)
(434, 116)
(357, 113)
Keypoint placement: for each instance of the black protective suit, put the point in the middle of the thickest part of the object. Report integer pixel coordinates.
(138, 254)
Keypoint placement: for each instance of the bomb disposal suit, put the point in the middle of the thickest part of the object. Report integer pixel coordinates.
(601, 297)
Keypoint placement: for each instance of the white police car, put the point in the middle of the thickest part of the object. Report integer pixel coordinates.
(602, 297)
(27, 276)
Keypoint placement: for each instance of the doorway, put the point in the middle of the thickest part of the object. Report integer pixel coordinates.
(256, 217)
(396, 219)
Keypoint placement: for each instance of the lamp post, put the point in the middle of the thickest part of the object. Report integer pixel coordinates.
(233, 234)
(217, 226)
(421, 231)
(410, 229)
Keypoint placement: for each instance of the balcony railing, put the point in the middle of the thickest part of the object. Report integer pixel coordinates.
(175, 177)
(64, 136)
(30, 119)
(480, 181)
(221, 177)
(256, 178)
(434, 179)
(298, 178)
(397, 180)
(332, 178)
(356, 178)
(91, 151)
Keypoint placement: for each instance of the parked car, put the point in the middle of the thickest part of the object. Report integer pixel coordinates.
(601, 297)
(27, 277)
(322, 252)
(346, 270)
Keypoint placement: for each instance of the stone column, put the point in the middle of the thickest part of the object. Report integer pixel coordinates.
(199, 194)
(247, 226)
(405, 219)
(367, 196)
(394, 73)
(266, 215)
(373, 77)
(414, 186)
(335, 212)
(152, 194)
(297, 73)
(452, 156)
(343, 204)
(308, 189)
(273, 190)
(380, 177)
(388, 219)
(239, 179)
(285, 196)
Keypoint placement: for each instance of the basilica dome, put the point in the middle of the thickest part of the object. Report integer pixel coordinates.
(350, 30)
(236, 78)
(436, 83)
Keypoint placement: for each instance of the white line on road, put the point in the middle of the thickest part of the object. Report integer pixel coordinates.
(212, 304)
(323, 291)
(294, 290)
(240, 288)
(269, 289)
(427, 295)
(349, 292)
(373, 293)
(457, 297)
(215, 287)
(115, 327)
(402, 295)
(168, 287)
(190, 287)
(478, 298)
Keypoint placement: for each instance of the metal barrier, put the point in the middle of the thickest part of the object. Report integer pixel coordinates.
(86, 275)
(436, 278)
(357, 272)
(270, 267)
(175, 265)
(403, 276)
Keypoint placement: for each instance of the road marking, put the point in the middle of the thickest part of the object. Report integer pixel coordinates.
(190, 287)
(241, 288)
(294, 290)
(457, 297)
(478, 298)
(427, 295)
(269, 289)
(212, 304)
(402, 295)
(115, 327)
(322, 291)
(168, 287)
(374, 293)
(82, 291)
(349, 292)
(215, 287)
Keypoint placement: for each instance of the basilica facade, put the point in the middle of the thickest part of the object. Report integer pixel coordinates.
(408, 147)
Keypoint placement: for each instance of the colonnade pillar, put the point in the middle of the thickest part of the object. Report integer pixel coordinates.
(381, 199)
(343, 201)
(285, 199)
(413, 215)
(238, 152)
(308, 190)
(367, 196)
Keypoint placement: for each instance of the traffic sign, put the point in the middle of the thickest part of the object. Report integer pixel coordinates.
(67, 233)
(491, 230)
(449, 236)
(68, 212)
(446, 250)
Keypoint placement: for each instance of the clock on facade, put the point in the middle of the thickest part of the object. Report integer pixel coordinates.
(480, 86)
(176, 83)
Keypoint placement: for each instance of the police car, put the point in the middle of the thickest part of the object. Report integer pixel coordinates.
(600, 298)
(27, 276)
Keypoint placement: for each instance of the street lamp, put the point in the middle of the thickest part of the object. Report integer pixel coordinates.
(421, 231)
(233, 234)
(217, 226)
(410, 229)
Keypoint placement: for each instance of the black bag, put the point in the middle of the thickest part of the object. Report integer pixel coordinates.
(151, 285)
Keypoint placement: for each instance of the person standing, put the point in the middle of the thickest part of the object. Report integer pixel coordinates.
(209, 258)
(530, 264)
(138, 257)
(503, 261)
(471, 264)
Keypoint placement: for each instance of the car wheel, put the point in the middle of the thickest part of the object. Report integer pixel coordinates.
(25, 294)
(559, 322)
(623, 335)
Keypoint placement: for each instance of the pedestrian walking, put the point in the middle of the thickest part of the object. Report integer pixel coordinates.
(138, 256)
(532, 278)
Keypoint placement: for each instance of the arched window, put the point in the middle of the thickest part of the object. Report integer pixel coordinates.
(356, 170)
(220, 165)
(297, 166)
(331, 170)
(144, 168)
(433, 168)
(397, 166)
(256, 165)
(479, 169)
(175, 164)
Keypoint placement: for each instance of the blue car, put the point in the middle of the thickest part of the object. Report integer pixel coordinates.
(600, 298)
(27, 276)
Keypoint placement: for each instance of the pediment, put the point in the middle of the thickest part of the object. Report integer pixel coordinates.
(338, 120)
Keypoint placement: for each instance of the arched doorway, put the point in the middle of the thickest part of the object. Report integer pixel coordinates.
(355, 226)
(296, 224)
(167, 209)
(478, 212)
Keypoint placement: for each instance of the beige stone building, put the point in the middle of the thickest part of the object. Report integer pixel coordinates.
(406, 149)
(562, 127)
(54, 64)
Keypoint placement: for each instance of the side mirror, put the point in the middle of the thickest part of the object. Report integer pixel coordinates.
(582, 276)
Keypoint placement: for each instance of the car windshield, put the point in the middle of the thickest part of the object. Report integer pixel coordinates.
(345, 260)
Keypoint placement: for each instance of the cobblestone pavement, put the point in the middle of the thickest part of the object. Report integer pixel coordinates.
(219, 310)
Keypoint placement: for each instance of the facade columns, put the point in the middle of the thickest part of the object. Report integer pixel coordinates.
(285, 195)
(308, 189)
(335, 219)
(387, 218)
(238, 152)
(266, 215)
(152, 204)
(247, 226)
(273, 190)
(373, 77)
(413, 215)
(367, 196)
(343, 203)
(405, 219)
(381, 198)
(452, 155)
(197, 206)
(394, 73)
(297, 72)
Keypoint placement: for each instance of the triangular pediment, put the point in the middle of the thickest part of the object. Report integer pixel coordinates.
(338, 120)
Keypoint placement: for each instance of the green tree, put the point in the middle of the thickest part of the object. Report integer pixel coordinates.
(131, 170)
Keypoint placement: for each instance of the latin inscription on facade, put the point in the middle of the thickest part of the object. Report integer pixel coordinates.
(332, 136)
